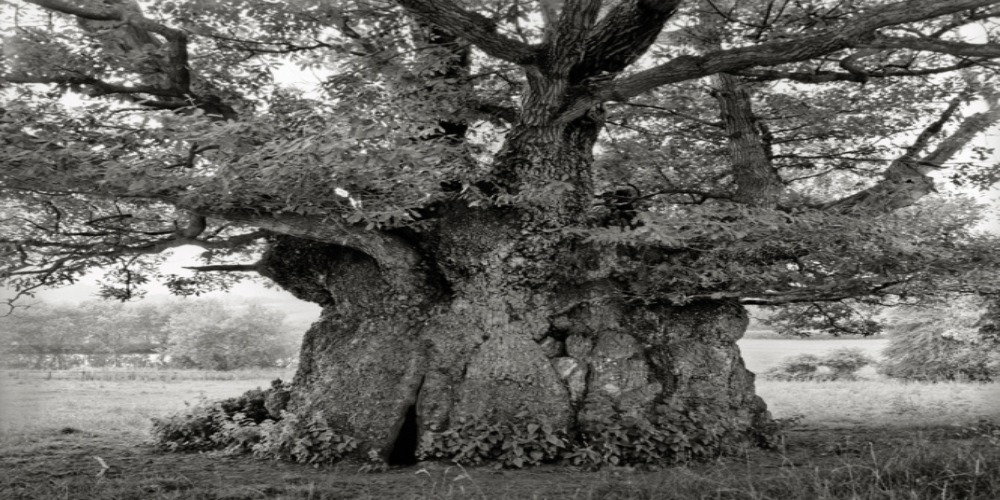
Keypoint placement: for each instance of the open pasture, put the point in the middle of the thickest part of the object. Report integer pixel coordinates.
(762, 354)
(37, 404)
(120, 402)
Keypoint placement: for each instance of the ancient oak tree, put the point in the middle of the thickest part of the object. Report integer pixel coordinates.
(550, 212)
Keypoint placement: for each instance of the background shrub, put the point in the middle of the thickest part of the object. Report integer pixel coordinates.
(841, 364)
(947, 341)
(929, 355)
(800, 367)
(845, 362)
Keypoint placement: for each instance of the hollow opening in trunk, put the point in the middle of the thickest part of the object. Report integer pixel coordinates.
(404, 449)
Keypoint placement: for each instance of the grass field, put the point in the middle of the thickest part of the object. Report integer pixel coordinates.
(866, 439)
(29, 405)
(761, 354)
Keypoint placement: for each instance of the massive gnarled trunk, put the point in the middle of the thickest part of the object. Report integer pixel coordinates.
(502, 323)
(501, 315)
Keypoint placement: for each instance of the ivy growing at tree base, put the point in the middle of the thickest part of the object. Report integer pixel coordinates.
(243, 426)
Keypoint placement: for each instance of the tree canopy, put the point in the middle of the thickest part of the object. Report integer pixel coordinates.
(786, 149)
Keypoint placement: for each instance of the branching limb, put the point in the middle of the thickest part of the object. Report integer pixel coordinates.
(831, 293)
(389, 251)
(622, 36)
(100, 87)
(476, 28)
(757, 181)
(679, 114)
(167, 77)
(177, 67)
(159, 246)
(565, 46)
(967, 130)
(93, 14)
(961, 49)
(505, 113)
(906, 179)
(227, 268)
(959, 21)
(765, 75)
(770, 53)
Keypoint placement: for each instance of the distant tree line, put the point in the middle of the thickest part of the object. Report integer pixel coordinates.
(945, 338)
(182, 333)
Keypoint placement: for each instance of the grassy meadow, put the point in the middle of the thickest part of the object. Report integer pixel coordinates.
(759, 354)
(116, 402)
(76, 435)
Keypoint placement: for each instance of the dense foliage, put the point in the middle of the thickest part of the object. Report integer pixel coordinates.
(942, 341)
(243, 425)
(207, 334)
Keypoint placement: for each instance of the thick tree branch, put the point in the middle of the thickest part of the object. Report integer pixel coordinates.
(962, 49)
(852, 65)
(175, 99)
(770, 53)
(825, 76)
(162, 245)
(968, 130)
(831, 293)
(388, 250)
(622, 36)
(757, 182)
(566, 47)
(78, 11)
(476, 28)
(100, 87)
(906, 179)
(959, 21)
(176, 67)
(505, 113)
(226, 268)
(97, 246)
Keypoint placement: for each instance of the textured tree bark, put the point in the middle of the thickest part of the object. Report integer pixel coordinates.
(503, 317)
(505, 324)
(757, 181)
(495, 314)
